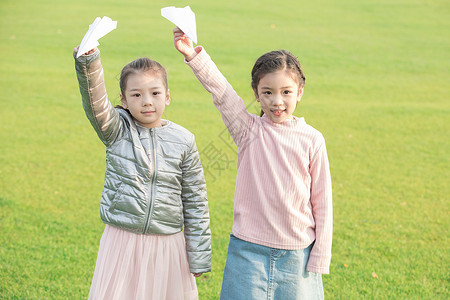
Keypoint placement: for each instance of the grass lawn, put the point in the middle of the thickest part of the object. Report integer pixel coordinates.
(377, 88)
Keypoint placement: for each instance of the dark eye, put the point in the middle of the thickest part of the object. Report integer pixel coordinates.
(136, 95)
(287, 92)
(267, 92)
(155, 93)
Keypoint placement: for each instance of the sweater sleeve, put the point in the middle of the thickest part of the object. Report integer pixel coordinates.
(103, 117)
(231, 107)
(322, 209)
(196, 214)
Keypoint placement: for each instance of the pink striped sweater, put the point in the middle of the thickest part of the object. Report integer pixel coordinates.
(283, 185)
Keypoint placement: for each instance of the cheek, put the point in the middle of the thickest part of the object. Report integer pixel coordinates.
(264, 103)
(162, 103)
(263, 98)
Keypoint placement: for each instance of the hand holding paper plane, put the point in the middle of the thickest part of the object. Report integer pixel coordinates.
(98, 29)
(183, 18)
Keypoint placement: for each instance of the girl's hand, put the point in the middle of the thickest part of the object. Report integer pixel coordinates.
(197, 274)
(87, 53)
(183, 44)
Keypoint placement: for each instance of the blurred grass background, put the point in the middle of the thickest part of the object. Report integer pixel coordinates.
(377, 88)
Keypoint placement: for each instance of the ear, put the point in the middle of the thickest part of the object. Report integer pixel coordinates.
(167, 98)
(256, 94)
(123, 101)
(300, 94)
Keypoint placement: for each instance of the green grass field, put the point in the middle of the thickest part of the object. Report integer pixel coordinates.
(377, 88)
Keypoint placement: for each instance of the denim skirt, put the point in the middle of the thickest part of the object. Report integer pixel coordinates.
(255, 272)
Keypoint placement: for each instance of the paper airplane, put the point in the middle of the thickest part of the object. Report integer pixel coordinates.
(183, 18)
(98, 29)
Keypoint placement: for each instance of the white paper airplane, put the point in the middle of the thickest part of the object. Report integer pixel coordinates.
(98, 29)
(183, 18)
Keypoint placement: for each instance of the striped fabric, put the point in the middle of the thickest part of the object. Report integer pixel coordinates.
(283, 193)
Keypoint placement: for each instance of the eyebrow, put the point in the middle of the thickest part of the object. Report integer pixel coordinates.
(140, 89)
(283, 87)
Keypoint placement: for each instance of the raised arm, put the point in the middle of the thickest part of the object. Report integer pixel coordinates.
(100, 112)
(232, 108)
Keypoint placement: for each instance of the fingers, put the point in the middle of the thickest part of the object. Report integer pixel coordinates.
(87, 53)
(179, 34)
(90, 51)
(180, 37)
(177, 30)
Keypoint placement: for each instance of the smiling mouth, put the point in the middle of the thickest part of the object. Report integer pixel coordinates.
(148, 112)
(278, 112)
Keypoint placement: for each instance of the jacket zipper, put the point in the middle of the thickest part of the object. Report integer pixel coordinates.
(152, 181)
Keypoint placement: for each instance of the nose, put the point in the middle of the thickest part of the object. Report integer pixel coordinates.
(277, 100)
(147, 100)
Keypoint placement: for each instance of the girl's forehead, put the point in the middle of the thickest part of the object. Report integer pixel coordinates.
(148, 73)
(145, 79)
(284, 75)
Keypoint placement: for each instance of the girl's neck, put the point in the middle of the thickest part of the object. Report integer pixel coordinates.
(291, 122)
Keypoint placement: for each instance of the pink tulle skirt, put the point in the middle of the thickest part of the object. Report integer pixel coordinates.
(135, 266)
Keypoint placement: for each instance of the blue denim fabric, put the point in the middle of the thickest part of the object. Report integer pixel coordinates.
(255, 272)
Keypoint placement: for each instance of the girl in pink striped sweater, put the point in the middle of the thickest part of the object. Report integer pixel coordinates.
(282, 229)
